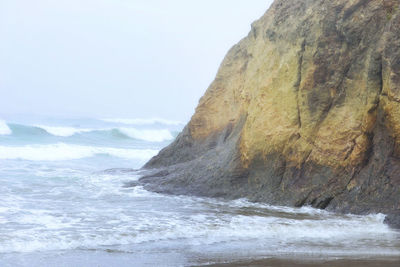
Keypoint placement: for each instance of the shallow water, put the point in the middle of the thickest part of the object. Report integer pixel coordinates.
(60, 208)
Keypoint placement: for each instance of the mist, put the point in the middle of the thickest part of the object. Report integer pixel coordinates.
(115, 58)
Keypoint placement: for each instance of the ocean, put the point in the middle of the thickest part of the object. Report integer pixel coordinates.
(64, 202)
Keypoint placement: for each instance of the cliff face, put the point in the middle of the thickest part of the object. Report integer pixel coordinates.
(304, 111)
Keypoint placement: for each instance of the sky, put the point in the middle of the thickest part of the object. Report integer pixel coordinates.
(115, 58)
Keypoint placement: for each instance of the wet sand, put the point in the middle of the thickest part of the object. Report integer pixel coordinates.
(385, 262)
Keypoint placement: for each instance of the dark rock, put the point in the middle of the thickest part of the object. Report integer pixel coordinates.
(306, 114)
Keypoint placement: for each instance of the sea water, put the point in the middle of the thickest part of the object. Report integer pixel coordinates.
(63, 203)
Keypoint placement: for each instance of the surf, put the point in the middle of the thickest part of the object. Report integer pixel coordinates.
(4, 129)
(37, 130)
(63, 151)
(143, 121)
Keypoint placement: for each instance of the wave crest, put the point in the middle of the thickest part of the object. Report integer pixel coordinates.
(147, 135)
(62, 151)
(62, 131)
(4, 129)
(143, 121)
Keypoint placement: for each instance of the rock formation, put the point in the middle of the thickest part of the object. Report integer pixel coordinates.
(304, 111)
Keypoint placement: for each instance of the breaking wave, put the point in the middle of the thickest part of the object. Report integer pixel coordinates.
(61, 151)
(143, 121)
(4, 129)
(149, 135)
(62, 131)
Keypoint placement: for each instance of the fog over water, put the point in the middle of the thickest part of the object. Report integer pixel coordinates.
(115, 58)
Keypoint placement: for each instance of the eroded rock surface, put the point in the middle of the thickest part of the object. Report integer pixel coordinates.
(304, 111)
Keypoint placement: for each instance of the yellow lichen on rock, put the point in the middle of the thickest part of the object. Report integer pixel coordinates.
(281, 87)
(304, 111)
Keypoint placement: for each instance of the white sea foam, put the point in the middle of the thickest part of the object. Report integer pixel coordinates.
(63, 131)
(4, 129)
(276, 235)
(147, 135)
(49, 205)
(141, 134)
(110, 215)
(61, 151)
(143, 121)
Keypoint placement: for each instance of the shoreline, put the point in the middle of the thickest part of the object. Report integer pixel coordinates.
(307, 262)
(161, 180)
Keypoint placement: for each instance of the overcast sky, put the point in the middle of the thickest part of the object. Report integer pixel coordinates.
(115, 58)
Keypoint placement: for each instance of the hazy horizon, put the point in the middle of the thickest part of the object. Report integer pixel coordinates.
(115, 59)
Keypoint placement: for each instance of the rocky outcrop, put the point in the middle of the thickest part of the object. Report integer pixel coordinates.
(304, 111)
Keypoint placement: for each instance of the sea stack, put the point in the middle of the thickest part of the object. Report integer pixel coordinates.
(305, 110)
